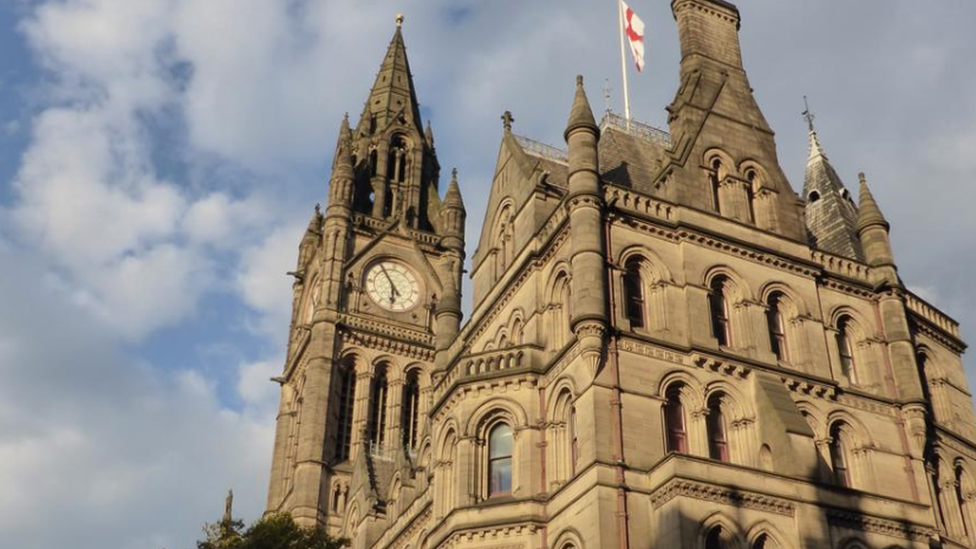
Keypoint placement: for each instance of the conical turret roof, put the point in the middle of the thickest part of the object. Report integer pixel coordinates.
(342, 163)
(581, 115)
(452, 199)
(869, 214)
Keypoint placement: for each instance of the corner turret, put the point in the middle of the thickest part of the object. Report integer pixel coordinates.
(585, 205)
(872, 229)
(343, 174)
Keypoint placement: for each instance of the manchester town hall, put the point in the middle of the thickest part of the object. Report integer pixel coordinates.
(668, 347)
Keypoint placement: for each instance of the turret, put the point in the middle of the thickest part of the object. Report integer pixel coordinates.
(453, 216)
(343, 176)
(585, 205)
(872, 229)
(448, 311)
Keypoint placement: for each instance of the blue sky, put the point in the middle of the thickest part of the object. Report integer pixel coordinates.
(159, 160)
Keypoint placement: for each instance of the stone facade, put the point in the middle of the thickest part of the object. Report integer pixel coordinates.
(668, 346)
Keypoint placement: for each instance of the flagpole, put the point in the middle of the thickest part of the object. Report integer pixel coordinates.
(621, 22)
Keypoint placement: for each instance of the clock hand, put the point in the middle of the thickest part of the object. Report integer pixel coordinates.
(393, 289)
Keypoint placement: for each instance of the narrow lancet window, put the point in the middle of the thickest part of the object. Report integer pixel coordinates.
(634, 294)
(347, 398)
(377, 402)
(674, 418)
(500, 460)
(719, 311)
(777, 326)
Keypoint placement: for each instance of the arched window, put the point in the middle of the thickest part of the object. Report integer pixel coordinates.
(411, 410)
(814, 196)
(713, 178)
(762, 542)
(559, 313)
(377, 407)
(397, 168)
(500, 460)
(517, 332)
(718, 441)
(961, 499)
(346, 400)
(714, 539)
(674, 418)
(752, 177)
(634, 293)
(777, 327)
(840, 456)
(718, 305)
(848, 366)
(574, 439)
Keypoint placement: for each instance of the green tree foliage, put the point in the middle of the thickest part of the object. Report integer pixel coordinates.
(273, 531)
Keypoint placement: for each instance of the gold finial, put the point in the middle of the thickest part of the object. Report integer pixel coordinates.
(399, 20)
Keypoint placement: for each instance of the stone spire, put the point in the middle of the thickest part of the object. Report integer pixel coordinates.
(429, 135)
(872, 229)
(453, 197)
(393, 91)
(581, 115)
(831, 215)
(869, 214)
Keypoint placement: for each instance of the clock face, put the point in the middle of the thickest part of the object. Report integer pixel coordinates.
(392, 286)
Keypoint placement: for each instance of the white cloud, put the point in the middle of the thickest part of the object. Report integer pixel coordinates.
(262, 282)
(122, 454)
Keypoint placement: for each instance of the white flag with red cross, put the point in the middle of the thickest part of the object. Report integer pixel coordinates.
(634, 31)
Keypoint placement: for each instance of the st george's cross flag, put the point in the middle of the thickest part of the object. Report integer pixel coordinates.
(634, 31)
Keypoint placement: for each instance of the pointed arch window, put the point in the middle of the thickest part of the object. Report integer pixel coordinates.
(500, 444)
(377, 407)
(411, 410)
(397, 167)
(714, 539)
(845, 347)
(718, 305)
(840, 456)
(346, 400)
(777, 326)
(715, 184)
(674, 419)
(574, 439)
(634, 293)
(718, 441)
(752, 177)
(961, 500)
(517, 332)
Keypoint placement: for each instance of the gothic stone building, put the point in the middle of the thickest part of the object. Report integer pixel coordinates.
(668, 347)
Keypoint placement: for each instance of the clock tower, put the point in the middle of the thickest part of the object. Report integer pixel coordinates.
(376, 297)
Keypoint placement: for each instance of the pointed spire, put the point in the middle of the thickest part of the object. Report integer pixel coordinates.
(869, 214)
(429, 135)
(581, 116)
(343, 165)
(393, 91)
(816, 151)
(452, 199)
(345, 133)
(831, 216)
(315, 223)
